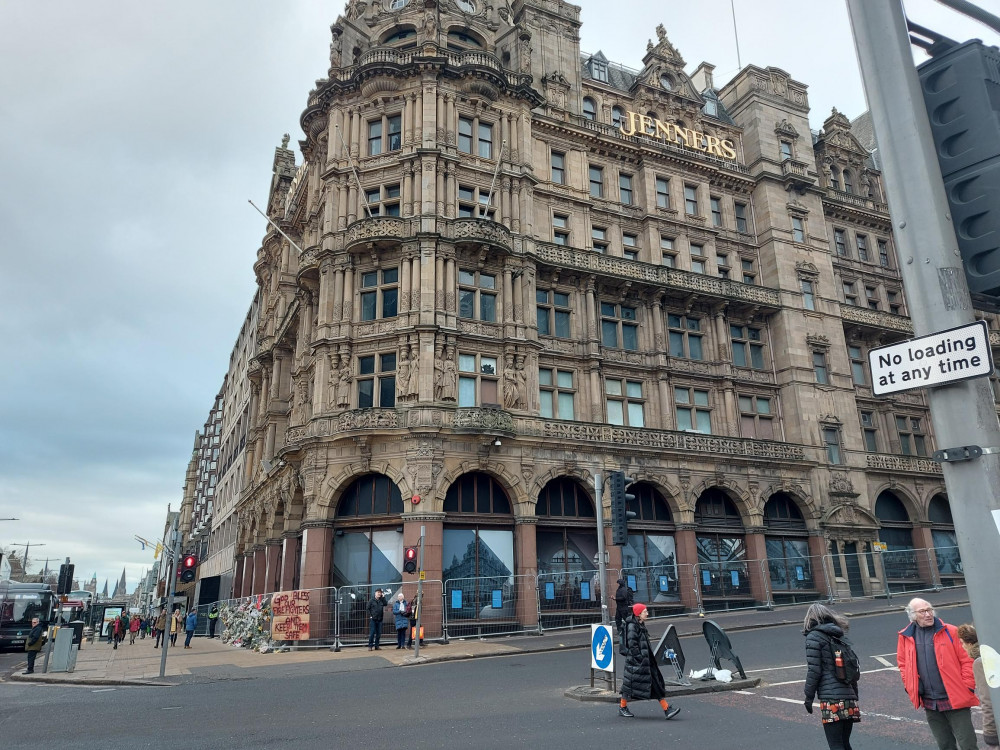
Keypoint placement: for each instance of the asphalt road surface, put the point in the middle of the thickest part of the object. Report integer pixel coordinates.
(501, 702)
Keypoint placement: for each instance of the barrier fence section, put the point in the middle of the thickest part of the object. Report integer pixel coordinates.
(573, 599)
(490, 605)
(667, 589)
(793, 580)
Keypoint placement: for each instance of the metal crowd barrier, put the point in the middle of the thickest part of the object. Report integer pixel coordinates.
(490, 605)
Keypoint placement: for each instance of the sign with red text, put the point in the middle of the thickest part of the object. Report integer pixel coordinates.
(938, 359)
(290, 616)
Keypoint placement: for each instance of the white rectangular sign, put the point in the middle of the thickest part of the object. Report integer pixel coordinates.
(945, 357)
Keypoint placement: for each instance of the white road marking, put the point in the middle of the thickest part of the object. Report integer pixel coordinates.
(883, 660)
(772, 669)
(104, 690)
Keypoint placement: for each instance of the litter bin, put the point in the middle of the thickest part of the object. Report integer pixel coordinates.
(77, 626)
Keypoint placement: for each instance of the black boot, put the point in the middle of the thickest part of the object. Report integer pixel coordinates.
(623, 711)
(671, 712)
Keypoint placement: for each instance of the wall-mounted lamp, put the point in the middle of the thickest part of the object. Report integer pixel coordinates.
(340, 532)
(496, 443)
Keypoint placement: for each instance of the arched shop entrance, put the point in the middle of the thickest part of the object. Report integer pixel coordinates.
(792, 572)
(723, 573)
(649, 560)
(949, 560)
(477, 556)
(566, 547)
(902, 571)
(368, 539)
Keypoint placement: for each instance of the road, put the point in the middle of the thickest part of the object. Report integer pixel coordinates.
(501, 702)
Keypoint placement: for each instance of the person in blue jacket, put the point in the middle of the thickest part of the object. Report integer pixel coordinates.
(401, 615)
(190, 622)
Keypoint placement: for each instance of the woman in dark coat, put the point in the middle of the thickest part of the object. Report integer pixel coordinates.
(642, 678)
(838, 701)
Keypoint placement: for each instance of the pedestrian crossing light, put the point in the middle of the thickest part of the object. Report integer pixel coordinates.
(620, 500)
(188, 564)
(410, 560)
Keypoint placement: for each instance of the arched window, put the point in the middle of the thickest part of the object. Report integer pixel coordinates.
(459, 41)
(848, 182)
(371, 553)
(949, 561)
(897, 534)
(617, 116)
(649, 560)
(566, 546)
(404, 38)
(835, 178)
(589, 108)
(476, 492)
(787, 544)
(722, 567)
(651, 126)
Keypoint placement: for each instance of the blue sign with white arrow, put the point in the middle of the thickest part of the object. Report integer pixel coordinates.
(602, 649)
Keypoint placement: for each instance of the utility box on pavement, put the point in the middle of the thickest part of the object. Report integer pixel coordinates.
(77, 627)
(63, 653)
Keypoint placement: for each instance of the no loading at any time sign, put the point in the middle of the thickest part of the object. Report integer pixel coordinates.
(938, 359)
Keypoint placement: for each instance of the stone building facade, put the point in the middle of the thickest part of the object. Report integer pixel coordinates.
(514, 266)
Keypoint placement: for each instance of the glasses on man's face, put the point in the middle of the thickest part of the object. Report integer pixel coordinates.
(925, 611)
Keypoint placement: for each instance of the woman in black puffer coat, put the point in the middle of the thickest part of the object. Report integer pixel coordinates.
(642, 678)
(838, 701)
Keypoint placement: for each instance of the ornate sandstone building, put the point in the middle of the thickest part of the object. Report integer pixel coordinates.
(514, 265)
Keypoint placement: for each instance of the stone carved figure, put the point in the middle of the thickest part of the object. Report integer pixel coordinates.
(413, 382)
(510, 394)
(403, 372)
(661, 32)
(336, 47)
(332, 380)
(299, 407)
(448, 384)
(344, 384)
(522, 384)
(438, 372)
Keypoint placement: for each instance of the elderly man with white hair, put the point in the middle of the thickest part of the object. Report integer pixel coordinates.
(937, 675)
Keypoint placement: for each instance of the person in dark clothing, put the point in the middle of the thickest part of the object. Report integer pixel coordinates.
(642, 678)
(624, 599)
(213, 620)
(838, 701)
(33, 643)
(376, 611)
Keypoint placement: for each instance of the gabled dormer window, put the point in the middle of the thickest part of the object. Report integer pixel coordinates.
(599, 70)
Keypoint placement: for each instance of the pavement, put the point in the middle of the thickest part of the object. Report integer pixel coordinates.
(139, 664)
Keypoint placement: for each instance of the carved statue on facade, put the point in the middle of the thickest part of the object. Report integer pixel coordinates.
(299, 414)
(403, 373)
(510, 395)
(522, 384)
(413, 382)
(336, 47)
(332, 380)
(445, 387)
(344, 384)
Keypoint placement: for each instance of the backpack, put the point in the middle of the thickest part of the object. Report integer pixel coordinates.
(849, 669)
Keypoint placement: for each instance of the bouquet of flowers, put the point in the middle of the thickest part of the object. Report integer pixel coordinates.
(247, 623)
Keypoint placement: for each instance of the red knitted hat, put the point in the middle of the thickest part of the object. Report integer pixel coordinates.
(637, 609)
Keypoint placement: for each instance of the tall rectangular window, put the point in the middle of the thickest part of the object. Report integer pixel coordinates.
(716, 207)
(558, 168)
(691, 200)
(477, 380)
(669, 254)
(485, 140)
(557, 394)
(625, 189)
(749, 272)
(831, 441)
(786, 150)
(477, 296)
(742, 225)
(560, 229)
(662, 192)
(912, 440)
(756, 417)
(379, 299)
(895, 303)
(840, 242)
(798, 229)
(474, 203)
(384, 200)
(870, 430)
(619, 328)
(862, 243)
(692, 410)
(722, 265)
(377, 381)
(857, 365)
(820, 368)
(850, 293)
(596, 178)
(871, 294)
(630, 246)
(552, 311)
(625, 404)
(685, 337)
(475, 137)
(808, 294)
(883, 253)
(599, 237)
(375, 137)
(385, 134)
(698, 262)
(748, 347)
(465, 126)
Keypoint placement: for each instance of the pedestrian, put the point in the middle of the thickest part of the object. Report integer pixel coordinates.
(34, 642)
(624, 599)
(159, 626)
(970, 641)
(175, 625)
(133, 629)
(412, 612)
(375, 615)
(838, 698)
(143, 625)
(402, 620)
(190, 623)
(938, 676)
(213, 620)
(642, 678)
(117, 631)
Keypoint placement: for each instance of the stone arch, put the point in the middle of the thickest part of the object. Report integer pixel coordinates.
(583, 476)
(672, 494)
(510, 483)
(914, 508)
(928, 498)
(810, 512)
(333, 488)
(276, 520)
(741, 498)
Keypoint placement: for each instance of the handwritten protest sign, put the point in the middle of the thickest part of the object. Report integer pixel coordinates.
(290, 616)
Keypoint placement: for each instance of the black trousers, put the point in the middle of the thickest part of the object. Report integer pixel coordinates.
(32, 655)
(838, 734)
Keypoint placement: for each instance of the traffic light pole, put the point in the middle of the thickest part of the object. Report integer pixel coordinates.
(963, 413)
(420, 591)
(170, 590)
(602, 566)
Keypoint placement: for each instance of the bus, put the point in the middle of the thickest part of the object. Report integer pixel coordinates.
(19, 603)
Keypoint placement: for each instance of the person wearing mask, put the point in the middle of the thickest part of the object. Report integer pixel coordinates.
(642, 680)
(838, 699)
(938, 676)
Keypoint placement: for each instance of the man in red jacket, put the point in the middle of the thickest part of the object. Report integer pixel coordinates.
(937, 675)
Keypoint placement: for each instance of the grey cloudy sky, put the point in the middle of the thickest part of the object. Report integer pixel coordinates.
(132, 136)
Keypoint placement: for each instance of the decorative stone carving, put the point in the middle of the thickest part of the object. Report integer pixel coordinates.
(841, 486)
(484, 419)
(446, 376)
(901, 463)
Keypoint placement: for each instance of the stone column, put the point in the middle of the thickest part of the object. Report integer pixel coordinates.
(817, 550)
(272, 554)
(526, 564)
(238, 576)
(247, 579)
(923, 543)
(316, 559)
(347, 313)
(686, 550)
(434, 596)
(404, 286)
(259, 570)
(756, 552)
(290, 548)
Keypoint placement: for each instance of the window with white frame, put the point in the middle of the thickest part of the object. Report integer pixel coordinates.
(692, 410)
(619, 329)
(756, 417)
(475, 137)
(477, 296)
(477, 380)
(560, 229)
(552, 313)
(662, 192)
(384, 200)
(748, 346)
(617, 116)
(625, 403)
(377, 381)
(630, 246)
(912, 439)
(379, 294)
(685, 336)
(385, 134)
(557, 393)
(667, 251)
(625, 195)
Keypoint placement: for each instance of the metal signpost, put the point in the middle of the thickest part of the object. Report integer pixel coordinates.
(420, 591)
(602, 565)
(171, 585)
(963, 412)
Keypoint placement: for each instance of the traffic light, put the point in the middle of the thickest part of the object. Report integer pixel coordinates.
(410, 560)
(620, 514)
(961, 91)
(188, 564)
(65, 584)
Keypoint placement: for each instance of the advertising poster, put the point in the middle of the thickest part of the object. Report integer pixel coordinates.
(290, 616)
(110, 613)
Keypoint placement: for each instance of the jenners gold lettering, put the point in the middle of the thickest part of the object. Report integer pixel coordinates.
(634, 123)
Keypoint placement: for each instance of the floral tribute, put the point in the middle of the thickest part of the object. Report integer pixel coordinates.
(247, 623)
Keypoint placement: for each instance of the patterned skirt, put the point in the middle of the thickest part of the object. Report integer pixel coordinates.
(841, 710)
